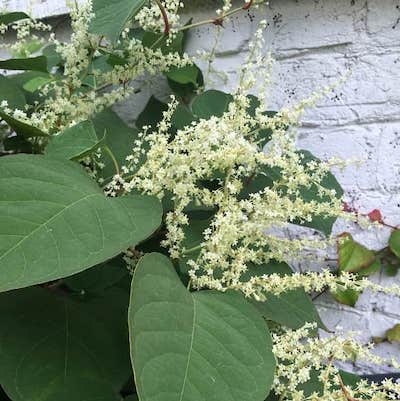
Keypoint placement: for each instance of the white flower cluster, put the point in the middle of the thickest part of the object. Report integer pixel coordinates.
(227, 151)
(86, 89)
(76, 53)
(27, 39)
(276, 284)
(303, 358)
(150, 18)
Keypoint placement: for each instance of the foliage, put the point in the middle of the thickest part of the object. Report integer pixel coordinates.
(192, 202)
(355, 257)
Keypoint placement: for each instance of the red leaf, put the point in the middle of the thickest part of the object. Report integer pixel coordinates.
(375, 215)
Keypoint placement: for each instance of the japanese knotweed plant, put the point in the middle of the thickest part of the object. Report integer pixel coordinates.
(192, 202)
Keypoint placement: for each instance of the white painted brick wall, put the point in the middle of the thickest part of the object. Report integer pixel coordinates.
(315, 42)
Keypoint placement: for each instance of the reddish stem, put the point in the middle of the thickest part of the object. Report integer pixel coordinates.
(248, 5)
(350, 209)
(164, 15)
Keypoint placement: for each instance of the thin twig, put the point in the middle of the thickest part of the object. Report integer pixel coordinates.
(219, 20)
(345, 392)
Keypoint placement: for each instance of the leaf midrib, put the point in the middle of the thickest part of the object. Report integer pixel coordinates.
(40, 226)
(190, 349)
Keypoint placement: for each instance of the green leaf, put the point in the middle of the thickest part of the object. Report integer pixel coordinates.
(55, 221)
(181, 118)
(111, 16)
(53, 57)
(394, 242)
(353, 257)
(132, 397)
(99, 278)
(393, 334)
(319, 222)
(262, 135)
(291, 309)
(9, 18)
(184, 75)
(18, 144)
(36, 83)
(74, 142)
(193, 238)
(152, 113)
(211, 103)
(10, 92)
(185, 81)
(314, 385)
(161, 41)
(195, 346)
(263, 179)
(38, 63)
(347, 296)
(373, 268)
(268, 176)
(391, 270)
(119, 137)
(27, 49)
(21, 79)
(55, 349)
(26, 130)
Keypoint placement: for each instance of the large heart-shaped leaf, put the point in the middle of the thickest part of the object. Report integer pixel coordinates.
(55, 221)
(112, 15)
(195, 346)
(55, 349)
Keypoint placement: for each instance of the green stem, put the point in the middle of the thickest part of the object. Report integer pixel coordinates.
(211, 21)
(191, 250)
(114, 160)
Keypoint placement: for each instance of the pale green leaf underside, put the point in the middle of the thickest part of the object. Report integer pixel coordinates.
(195, 346)
(54, 349)
(55, 221)
(74, 142)
(112, 15)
